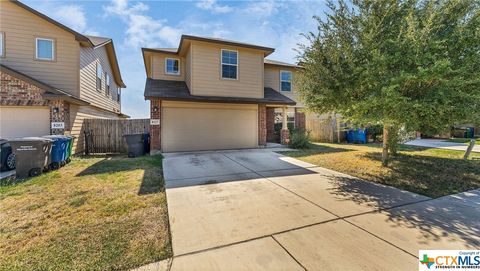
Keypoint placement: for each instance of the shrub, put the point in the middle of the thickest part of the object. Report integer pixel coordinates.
(376, 131)
(299, 139)
(278, 126)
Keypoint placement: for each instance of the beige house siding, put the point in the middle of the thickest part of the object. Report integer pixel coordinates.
(272, 80)
(77, 115)
(158, 67)
(21, 28)
(206, 77)
(89, 57)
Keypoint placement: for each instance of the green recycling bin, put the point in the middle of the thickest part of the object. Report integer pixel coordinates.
(70, 147)
(469, 132)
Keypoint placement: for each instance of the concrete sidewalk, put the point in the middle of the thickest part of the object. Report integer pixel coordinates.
(259, 210)
(442, 144)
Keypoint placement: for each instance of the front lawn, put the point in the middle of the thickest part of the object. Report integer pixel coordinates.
(430, 172)
(97, 213)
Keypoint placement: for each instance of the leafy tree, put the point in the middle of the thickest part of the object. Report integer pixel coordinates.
(407, 64)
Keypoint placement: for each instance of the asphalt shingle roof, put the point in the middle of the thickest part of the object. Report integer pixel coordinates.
(96, 41)
(178, 91)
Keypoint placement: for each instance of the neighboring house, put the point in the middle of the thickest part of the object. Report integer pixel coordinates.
(211, 94)
(52, 78)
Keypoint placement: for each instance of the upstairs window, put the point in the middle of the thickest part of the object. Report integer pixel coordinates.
(2, 44)
(172, 66)
(45, 49)
(229, 64)
(118, 94)
(285, 81)
(107, 84)
(99, 76)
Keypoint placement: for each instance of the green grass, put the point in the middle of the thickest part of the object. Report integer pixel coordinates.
(96, 213)
(464, 140)
(430, 172)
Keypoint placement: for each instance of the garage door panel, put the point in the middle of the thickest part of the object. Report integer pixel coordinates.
(24, 121)
(192, 129)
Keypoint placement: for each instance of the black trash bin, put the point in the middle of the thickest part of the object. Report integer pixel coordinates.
(146, 142)
(7, 158)
(32, 155)
(135, 145)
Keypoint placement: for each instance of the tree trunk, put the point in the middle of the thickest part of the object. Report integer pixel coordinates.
(385, 145)
(469, 149)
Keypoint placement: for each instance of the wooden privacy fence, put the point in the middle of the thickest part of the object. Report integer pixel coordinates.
(326, 129)
(107, 135)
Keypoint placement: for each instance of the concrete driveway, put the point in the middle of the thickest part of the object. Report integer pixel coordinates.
(259, 210)
(441, 144)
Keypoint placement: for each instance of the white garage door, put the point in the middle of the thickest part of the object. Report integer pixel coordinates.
(193, 127)
(24, 121)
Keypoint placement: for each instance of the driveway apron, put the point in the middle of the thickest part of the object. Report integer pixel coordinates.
(260, 210)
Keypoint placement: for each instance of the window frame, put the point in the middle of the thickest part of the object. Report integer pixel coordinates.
(291, 78)
(119, 93)
(236, 65)
(53, 49)
(166, 65)
(107, 84)
(98, 80)
(2, 44)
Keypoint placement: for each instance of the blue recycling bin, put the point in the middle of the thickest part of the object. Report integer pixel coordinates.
(361, 136)
(357, 136)
(350, 136)
(59, 152)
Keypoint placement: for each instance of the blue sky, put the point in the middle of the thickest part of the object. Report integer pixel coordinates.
(136, 24)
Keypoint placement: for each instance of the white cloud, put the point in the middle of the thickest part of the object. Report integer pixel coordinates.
(142, 30)
(71, 15)
(212, 6)
(263, 8)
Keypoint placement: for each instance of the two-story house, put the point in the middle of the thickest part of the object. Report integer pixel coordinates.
(211, 94)
(52, 78)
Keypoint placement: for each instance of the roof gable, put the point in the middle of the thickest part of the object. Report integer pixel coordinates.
(83, 39)
(79, 37)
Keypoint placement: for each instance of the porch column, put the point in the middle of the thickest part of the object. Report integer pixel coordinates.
(262, 125)
(155, 126)
(59, 117)
(270, 124)
(284, 133)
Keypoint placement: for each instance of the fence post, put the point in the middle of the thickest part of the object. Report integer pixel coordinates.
(469, 149)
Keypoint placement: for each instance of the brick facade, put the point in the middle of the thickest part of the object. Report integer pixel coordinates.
(262, 125)
(300, 120)
(155, 130)
(285, 136)
(60, 112)
(270, 114)
(16, 92)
